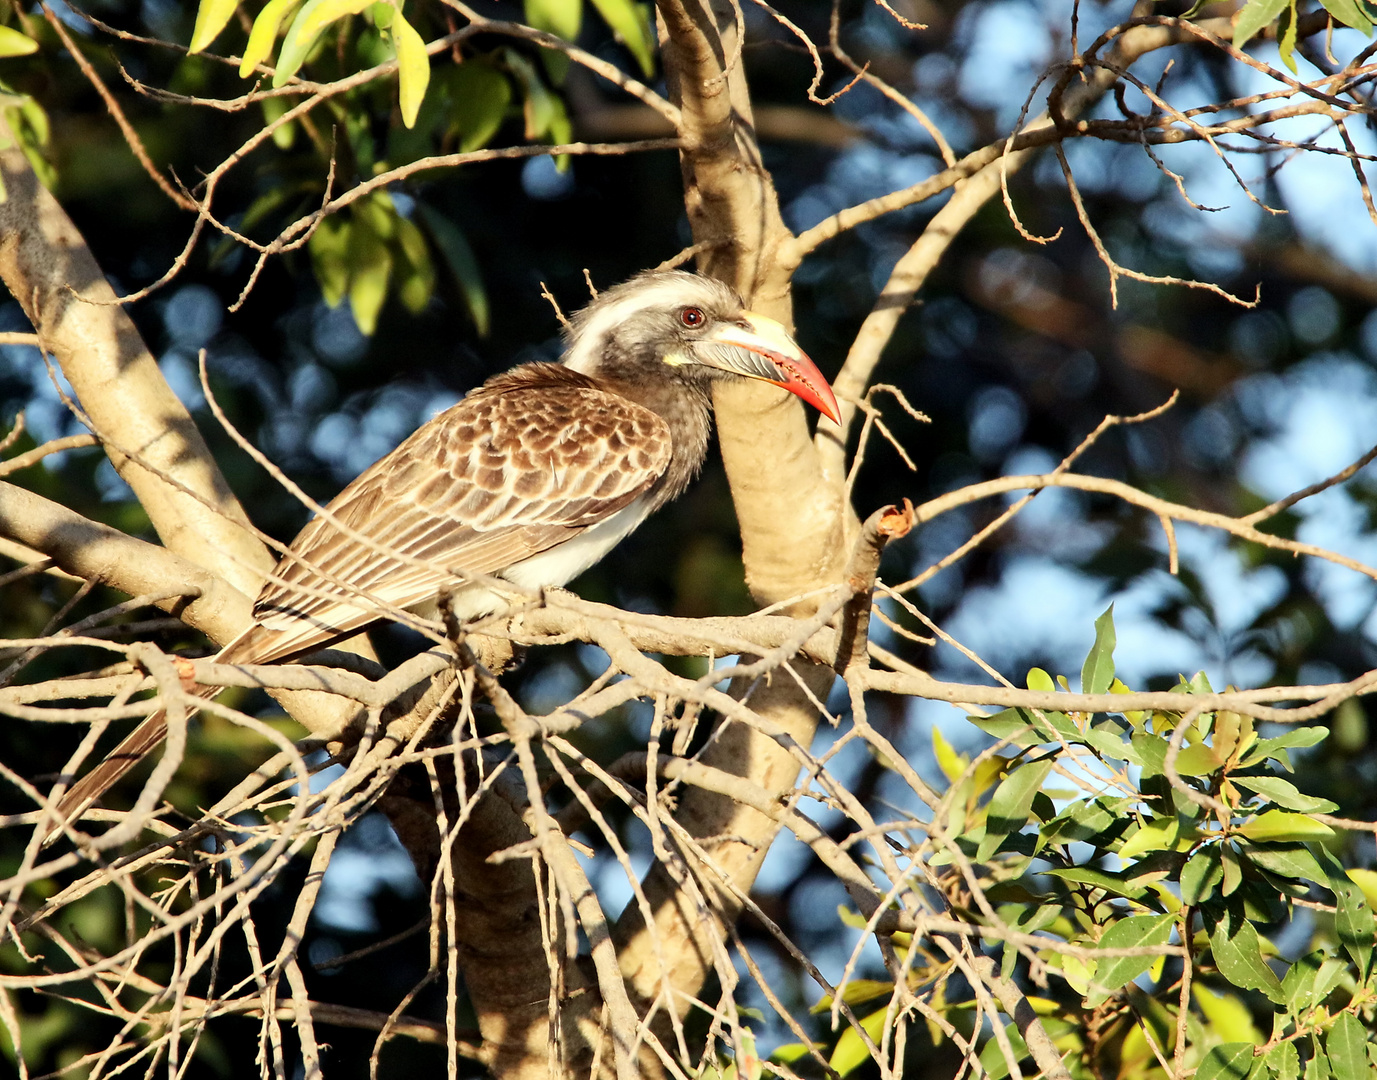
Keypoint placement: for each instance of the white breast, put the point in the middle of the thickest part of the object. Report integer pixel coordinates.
(560, 565)
(557, 566)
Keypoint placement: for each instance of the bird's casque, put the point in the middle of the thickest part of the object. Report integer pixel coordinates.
(531, 478)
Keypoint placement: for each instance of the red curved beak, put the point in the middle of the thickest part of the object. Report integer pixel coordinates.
(760, 338)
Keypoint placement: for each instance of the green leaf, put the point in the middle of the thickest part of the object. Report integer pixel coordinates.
(1196, 760)
(1286, 860)
(1286, 39)
(1346, 1045)
(1099, 879)
(1233, 873)
(1011, 805)
(1229, 1017)
(13, 43)
(1098, 670)
(1228, 1061)
(263, 34)
(851, 1051)
(370, 271)
(462, 263)
(559, 17)
(1134, 932)
(1283, 1061)
(630, 24)
(416, 271)
(1156, 834)
(790, 1053)
(992, 1058)
(1317, 1068)
(284, 134)
(1107, 737)
(1279, 825)
(1202, 874)
(211, 17)
(856, 992)
(329, 247)
(1350, 13)
(1040, 681)
(296, 46)
(1285, 794)
(479, 96)
(1085, 820)
(1367, 881)
(1016, 726)
(1353, 921)
(538, 106)
(1300, 738)
(1238, 956)
(413, 68)
(328, 11)
(1309, 980)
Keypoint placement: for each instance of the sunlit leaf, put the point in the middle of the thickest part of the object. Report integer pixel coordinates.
(851, 1051)
(1230, 1018)
(1134, 932)
(856, 992)
(329, 247)
(630, 24)
(370, 271)
(1276, 747)
(952, 764)
(264, 34)
(328, 11)
(415, 270)
(211, 18)
(273, 110)
(1286, 40)
(790, 1053)
(1011, 805)
(992, 1057)
(1098, 670)
(1085, 820)
(1285, 794)
(1039, 680)
(1099, 879)
(1280, 825)
(563, 18)
(1367, 881)
(1354, 922)
(1197, 760)
(1238, 956)
(1350, 13)
(296, 46)
(13, 43)
(1228, 1061)
(1202, 874)
(413, 68)
(1158, 834)
(1283, 1062)
(1286, 860)
(1346, 1044)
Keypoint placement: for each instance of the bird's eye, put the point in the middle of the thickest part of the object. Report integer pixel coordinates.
(692, 317)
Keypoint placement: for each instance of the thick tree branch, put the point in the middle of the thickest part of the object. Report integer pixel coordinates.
(47, 267)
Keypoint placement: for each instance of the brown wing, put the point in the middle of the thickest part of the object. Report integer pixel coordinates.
(522, 464)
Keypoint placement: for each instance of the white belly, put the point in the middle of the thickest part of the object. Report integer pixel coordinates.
(557, 566)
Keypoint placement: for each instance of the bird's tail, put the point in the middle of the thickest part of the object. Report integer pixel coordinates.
(142, 741)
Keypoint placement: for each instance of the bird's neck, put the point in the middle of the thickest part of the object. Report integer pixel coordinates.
(687, 408)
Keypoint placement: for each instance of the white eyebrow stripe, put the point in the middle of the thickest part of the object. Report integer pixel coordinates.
(587, 346)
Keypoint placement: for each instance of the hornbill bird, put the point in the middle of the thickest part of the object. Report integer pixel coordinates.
(532, 478)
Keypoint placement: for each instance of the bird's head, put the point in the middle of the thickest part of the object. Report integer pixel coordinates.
(694, 327)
